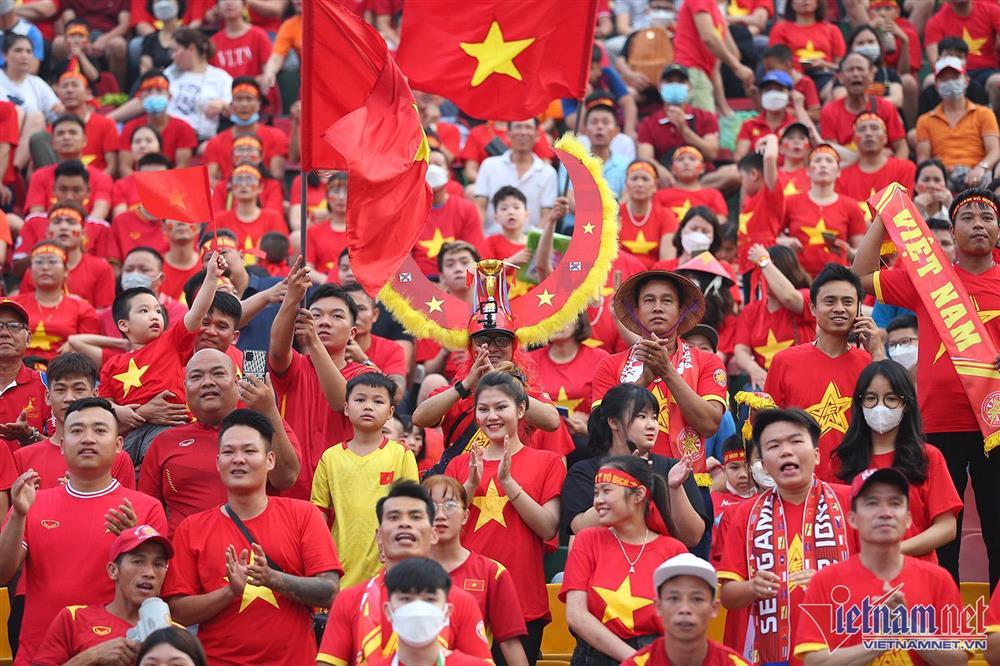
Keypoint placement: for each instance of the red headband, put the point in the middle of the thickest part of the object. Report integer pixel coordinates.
(222, 242)
(868, 115)
(246, 88)
(824, 149)
(654, 520)
(49, 248)
(66, 212)
(736, 455)
(249, 140)
(691, 150)
(74, 74)
(641, 166)
(77, 29)
(248, 169)
(155, 82)
(976, 198)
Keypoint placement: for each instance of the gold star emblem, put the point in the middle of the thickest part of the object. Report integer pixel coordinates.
(545, 298)
(251, 592)
(41, 340)
(642, 659)
(744, 218)
(810, 52)
(795, 559)
(790, 189)
(772, 347)
(494, 55)
(87, 159)
(491, 506)
(434, 305)
(975, 45)
(588, 228)
(640, 245)
(831, 411)
(131, 378)
(620, 604)
(563, 401)
(681, 211)
(424, 149)
(815, 233)
(733, 9)
(433, 246)
(177, 200)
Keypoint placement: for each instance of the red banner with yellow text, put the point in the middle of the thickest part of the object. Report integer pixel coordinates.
(943, 295)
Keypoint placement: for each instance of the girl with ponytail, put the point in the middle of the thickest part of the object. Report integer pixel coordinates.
(615, 560)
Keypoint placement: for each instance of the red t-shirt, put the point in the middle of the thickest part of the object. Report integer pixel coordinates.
(130, 230)
(8, 468)
(481, 135)
(662, 135)
(693, 52)
(96, 236)
(827, 400)
(979, 30)
(92, 279)
(63, 521)
(944, 404)
(498, 247)
(175, 278)
(447, 135)
(571, 383)
(837, 122)
(27, 393)
(862, 185)
(249, 233)
(655, 654)
(47, 459)
(603, 331)
(759, 222)
(51, 327)
(76, 629)
(294, 536)
(808, 221)
(40, 188)
(993, 615)
(702, 371)
(679, 201)
(766, 333)
(465, 631)
(125, 192)
(177, 135)
(219, 148)
(102, 138)
(793, 182)
(493, 588)
(125, 378)
(847, 585)
(315, 196)
(495, 528)
(453, 658)
(891, 59)
(641, 237)
(324, 245)
(625, 602)
(244, 55)
(754, 128)
(387, 355)
(9, 134)
(821, 40)
(455, 219)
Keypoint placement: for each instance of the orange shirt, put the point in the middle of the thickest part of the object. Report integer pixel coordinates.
(961, 145)
(289, 36)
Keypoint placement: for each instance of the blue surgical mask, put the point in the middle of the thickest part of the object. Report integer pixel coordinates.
(674, 93)
(154, 104)
(240, 122)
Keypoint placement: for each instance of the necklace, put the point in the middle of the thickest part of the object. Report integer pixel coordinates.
(645, 218)
(631, 563)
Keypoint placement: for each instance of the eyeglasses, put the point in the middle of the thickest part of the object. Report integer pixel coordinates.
(13, 326)
(902, 342)
(890, 400)
(498, 341)
(448, 508)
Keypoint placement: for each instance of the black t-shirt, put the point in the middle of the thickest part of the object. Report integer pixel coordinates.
(578, 490)
(160, 54)
(930, 98)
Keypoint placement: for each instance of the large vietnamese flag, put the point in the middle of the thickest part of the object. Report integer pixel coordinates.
(498, 59)
(358, 114)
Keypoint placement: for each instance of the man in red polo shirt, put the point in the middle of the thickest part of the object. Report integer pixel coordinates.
(978, 24)
(101, 149)
(246, 122)
(23, 411)
(874, 169)
(775, 98)
(677, 124)
(69, 136)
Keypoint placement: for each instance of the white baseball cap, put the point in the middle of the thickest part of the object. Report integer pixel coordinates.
(436, 176)
(685, 564)
(949, 62)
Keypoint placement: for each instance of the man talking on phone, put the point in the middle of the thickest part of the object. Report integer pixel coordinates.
(846, 341)
(180, 466)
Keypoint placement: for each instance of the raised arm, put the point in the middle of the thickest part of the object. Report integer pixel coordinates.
(214, 268)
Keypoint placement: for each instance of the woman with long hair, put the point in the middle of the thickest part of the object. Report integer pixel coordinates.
(782, 319)
(617, 557)
(514, 491)
(886, 431)
(699, 230)
(933, 196)
(623, 424)
(199, 92)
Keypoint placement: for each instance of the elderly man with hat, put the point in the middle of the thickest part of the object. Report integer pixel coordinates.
(83, 635)
(22, 393)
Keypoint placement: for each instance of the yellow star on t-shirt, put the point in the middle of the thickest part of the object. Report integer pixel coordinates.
(593, 343)
(810, 52)
(131, 378)
(975, 45)
(681, 211)
(772, 347)
(620, 604)
(790, 189)
(815, 233)
(744, 218)
(640, 245)
(734, 9)
(434, 305)
(831, 411)
(491, 506)
(433, 246)
(563, 401)
(251, 592)
(41, 340)
(494, 55)
(545, 298)
(87, 159)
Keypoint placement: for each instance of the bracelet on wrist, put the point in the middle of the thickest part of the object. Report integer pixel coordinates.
(461, 390)
(764, 261)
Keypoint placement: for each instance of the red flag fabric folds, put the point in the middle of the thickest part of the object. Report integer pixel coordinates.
(177, 194)
(498, 59)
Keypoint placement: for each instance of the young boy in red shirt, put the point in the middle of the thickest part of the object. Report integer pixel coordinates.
(512, 215)
(687, 166)
(761, 204)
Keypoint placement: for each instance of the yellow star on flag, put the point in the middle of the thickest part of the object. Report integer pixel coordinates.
(494, 55)
(131, 378)
(251, 592)
(640, 245)
(563, 401)
(815, 233)
(810, 52)
(790, 189)
(41, 340)
(975, 45)
(177, 199)
(434, 305)
(772, 347)
(588, 228)
(744, 218)
(491, 506)
(545, 298)
(424, 149)
(620, 604)
(831, 411)
(433, 246)
(681, 211)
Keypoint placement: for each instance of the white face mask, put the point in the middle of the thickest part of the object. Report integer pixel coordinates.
(136, 279)
(881, 419)
(905, 355)
(695, 241)
(760, 477)
(870, 51)
(418, 623)
(774, 100)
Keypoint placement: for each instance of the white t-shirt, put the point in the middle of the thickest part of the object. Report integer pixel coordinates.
(191, 91)
(538, 185)
(31, 94)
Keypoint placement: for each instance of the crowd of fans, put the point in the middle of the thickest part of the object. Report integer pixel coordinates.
(755, 401)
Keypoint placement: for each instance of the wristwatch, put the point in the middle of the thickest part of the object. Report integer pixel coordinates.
(764, 261)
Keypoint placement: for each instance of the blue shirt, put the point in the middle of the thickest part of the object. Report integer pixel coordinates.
(610, 80)
(713, 445)
(256, 334)
(614, 171)
(883, 313)
(34, 35)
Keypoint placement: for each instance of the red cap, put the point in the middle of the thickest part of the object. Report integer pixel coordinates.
(889, 475)
(134, 537)
(18, 309)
